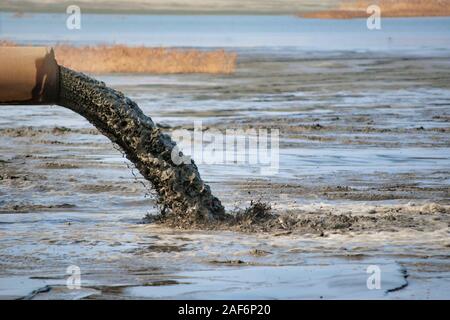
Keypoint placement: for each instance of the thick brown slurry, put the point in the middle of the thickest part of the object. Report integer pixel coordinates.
(180, 190)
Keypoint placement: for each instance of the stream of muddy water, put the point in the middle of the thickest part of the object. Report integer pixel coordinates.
(179, 188)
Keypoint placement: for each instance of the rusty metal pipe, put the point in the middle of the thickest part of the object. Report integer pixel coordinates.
(28, 75)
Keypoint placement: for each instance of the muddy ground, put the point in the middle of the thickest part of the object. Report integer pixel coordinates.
(363, 180)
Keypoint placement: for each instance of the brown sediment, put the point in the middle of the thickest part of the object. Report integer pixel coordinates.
(181, 192)
(26, 208)
(33, 132)
(350, 9)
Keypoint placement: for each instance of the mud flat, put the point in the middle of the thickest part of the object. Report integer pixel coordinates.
(363, 180)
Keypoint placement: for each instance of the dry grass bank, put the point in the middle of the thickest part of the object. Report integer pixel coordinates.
(349, 9)
(124, 59)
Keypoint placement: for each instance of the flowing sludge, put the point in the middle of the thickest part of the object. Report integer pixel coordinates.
(181, 192)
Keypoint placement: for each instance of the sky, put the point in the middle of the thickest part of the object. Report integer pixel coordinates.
(145, 6)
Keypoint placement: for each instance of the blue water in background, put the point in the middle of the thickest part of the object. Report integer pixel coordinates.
(271, 33)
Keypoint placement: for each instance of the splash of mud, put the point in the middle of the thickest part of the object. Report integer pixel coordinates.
(185, 200)
(181, 192)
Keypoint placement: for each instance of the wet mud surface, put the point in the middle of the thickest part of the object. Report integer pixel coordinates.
(363, 180)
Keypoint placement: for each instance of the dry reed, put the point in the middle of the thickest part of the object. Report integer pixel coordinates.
(123, 59)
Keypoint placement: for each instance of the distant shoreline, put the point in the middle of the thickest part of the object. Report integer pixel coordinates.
(353, 14)
(323, 15)
(352, 9)
(153, 12)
